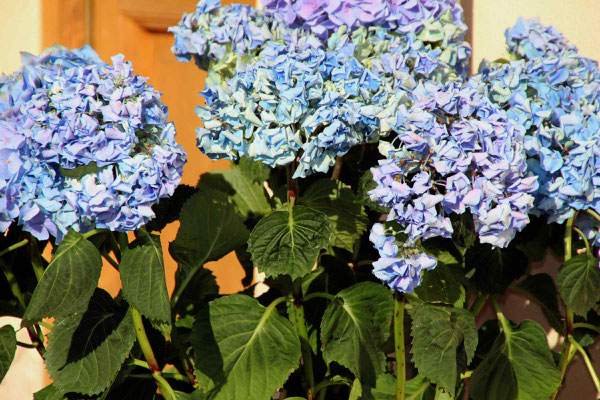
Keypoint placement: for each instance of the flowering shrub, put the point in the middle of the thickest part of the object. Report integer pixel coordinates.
(385, 193)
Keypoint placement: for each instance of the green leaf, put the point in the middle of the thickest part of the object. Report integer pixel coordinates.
(68, 282)
(284, 243)
(541, 288)
(336, 200)
(444, 342)
(210, 228)
(244, 350)
(87, 349)
(254, 170)
(578, 282)
(439, 285)
(81, 170)
(495, 268)
(142, 272)
(248, 196)
(519, 366)
(50, 392)
(418, 388)
(8, 347)
(354, 328)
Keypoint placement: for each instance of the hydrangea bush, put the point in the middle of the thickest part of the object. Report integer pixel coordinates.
(386, 193)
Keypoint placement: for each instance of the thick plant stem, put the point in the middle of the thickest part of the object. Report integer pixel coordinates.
(566, 348)
(300, 324)
(140, 331)
(13, 284)
(478, 304)
(588, 363)
(399, 345)
(337, 168)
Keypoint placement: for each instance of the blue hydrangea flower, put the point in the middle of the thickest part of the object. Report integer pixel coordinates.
(311, 105)
(86, 145)
(554, 93)
(218, 37)
(399, 267)
(440, 18)
(453, 151)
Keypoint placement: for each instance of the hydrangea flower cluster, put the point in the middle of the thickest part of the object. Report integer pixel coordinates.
(315, 101)
(454, 151)
(399, 267)
(403, 59)
(218, 37)
(555, 93)
(84, 144)
(323, 17)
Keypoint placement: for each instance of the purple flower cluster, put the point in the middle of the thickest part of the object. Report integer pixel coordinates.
(555, 94)
(399, 267)
(84, 144)
(325, 17)
(284, 102)
(453, 151)
(219, 37)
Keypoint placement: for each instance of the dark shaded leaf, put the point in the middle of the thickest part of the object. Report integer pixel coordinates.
(8, 347)
(355, 326)
(495, 268)
(68, 282)
(87, 349)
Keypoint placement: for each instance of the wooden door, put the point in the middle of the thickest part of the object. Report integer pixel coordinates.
(138, 29)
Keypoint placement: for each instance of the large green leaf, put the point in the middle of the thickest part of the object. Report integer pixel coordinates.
(68, 282)
(440, 285)
(50, 392)
(254, 170)
(244, 350)
(336, 200)
(8, 347)
(444, 342)
(210, 229)
(354, 328)
(519, 366)
(541, 288)
(248, 196)
(578, 282)
(87, 349)
(418, 388)
(495, 268)
(284, 243)
(82, 170)
(143, 275)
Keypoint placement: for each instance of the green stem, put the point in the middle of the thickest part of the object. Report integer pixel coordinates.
(593, 213)
(36, 259)
(304, 341)
(399, 345)
(332, 381)
(138, 363)
(114, 245)
(318, 295)
(161, 382)
(466, 375)
(13, 284)
(588, 363)
(14, 247)
(91, 233)
(478, 304)
(566, 348)
(112, 262)
(45, 325)
(28, 345)
(587, 244)
(586, 326)
(438, 392)
(503, 321)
